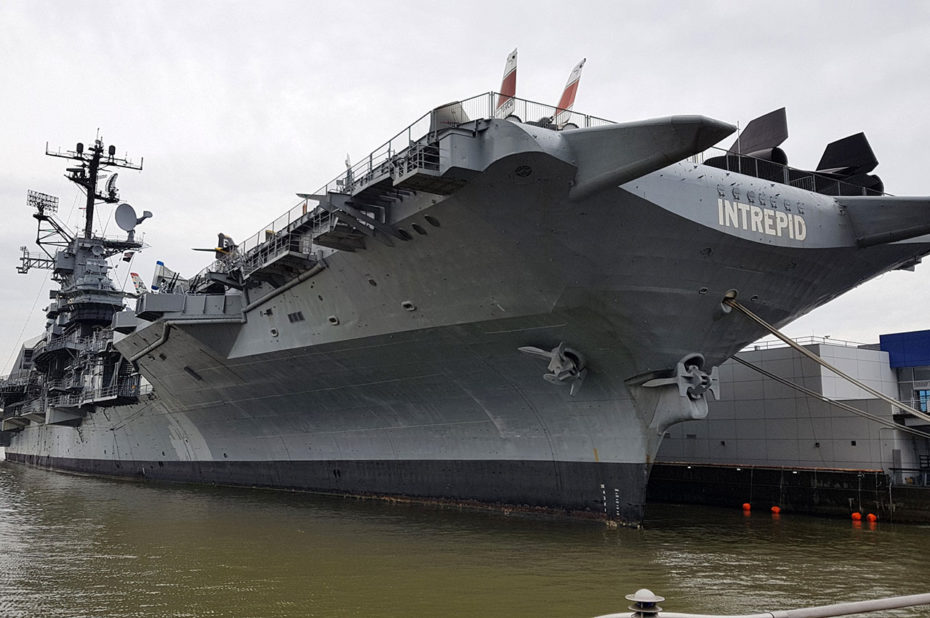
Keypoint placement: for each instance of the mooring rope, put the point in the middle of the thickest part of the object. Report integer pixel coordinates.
(904, 407)
(832, 402)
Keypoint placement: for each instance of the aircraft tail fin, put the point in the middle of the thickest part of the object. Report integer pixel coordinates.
(139, 284)
(851, 155)
(224, 245)
(563, 109)
(762, 137)
(505, 102)
(167, 281)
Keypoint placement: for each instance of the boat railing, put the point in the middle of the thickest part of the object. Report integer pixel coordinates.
(781, 174)
(57, 342)
(92, 343)
(63, 383)
(403, 153)
(16, 378)
(128, 388)
(65, 401)
(33, 406)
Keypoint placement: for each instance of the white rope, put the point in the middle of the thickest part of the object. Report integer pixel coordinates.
(832, 402)
(904, 407)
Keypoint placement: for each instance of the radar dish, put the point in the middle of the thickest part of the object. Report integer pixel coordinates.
(125, 217)
(111, 185)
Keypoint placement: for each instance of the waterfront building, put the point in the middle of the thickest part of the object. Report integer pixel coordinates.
(764, 438)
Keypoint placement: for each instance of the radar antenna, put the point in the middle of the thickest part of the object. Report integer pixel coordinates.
(127, 220)
(91, 162)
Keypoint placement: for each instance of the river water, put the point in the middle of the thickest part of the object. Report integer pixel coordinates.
(80, 546)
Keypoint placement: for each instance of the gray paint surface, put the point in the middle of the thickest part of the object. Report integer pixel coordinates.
(409, 351)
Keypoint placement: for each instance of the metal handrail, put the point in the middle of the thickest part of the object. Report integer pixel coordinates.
(405, 152)
(16, 377)
(95, 342)
(645, 606)
(391, 158)
(134, 387)
(806, 340)
(782, 174)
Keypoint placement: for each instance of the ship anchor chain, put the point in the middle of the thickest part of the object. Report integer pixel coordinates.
(566, 365)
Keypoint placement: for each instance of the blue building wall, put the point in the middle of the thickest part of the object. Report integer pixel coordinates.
(907, 349)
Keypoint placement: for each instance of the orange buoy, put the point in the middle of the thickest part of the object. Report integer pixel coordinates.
(871, 517)
(857, 516)
(776, 509)
(747, 506)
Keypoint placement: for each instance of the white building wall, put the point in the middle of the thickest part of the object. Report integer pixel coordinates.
(868, 366)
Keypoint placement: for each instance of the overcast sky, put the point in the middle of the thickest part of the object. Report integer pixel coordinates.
(237, 106)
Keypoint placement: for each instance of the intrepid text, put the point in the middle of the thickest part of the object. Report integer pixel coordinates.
(763, 220)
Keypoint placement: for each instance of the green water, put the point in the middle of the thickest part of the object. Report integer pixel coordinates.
(79, 546)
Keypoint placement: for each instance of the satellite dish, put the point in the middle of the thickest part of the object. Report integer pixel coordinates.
(111, 186)
(125, 217)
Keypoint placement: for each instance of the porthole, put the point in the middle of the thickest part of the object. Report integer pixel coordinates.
(404, 234)
(418, 229)
(432, 220)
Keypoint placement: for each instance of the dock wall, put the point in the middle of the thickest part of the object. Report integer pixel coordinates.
(828, 492)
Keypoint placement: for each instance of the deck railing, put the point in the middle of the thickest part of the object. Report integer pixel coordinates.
(16, 378)
(92, 343)
(391, 158)
(781, 174)
(131, 388)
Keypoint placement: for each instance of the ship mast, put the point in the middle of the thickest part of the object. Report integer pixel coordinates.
(91, 160)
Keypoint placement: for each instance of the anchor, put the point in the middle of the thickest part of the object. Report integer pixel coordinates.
(692, 381)
(566, 366)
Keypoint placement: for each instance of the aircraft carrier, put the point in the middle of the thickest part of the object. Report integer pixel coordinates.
(505, 304)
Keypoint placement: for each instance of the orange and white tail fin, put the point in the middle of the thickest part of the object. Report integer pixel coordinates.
(505, 102)
(563, 109)
(139, 284)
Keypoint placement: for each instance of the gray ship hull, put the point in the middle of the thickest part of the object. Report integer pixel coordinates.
(397, 369)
